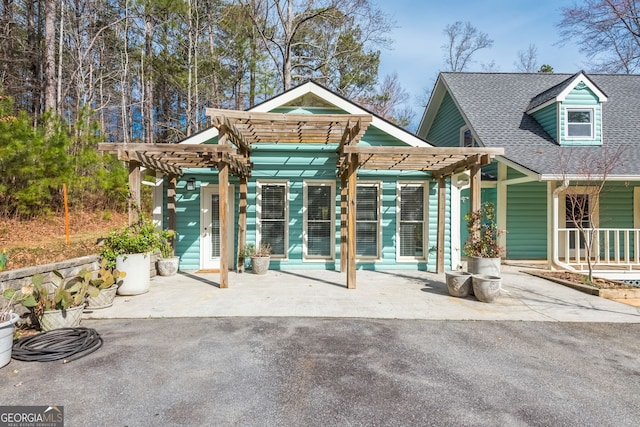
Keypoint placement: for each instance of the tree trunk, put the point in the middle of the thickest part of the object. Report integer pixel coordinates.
(50, 57)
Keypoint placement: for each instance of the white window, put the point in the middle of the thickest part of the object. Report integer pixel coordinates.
(367, 220)
(580, 123)
(319, 229)
(272, 218)
(411, 224)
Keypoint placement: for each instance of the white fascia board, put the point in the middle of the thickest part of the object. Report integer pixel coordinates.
(541, 106)
(517, 167)
(429, 114)
(201, 137)
(343, 104)
(578, 177)
(581, 77)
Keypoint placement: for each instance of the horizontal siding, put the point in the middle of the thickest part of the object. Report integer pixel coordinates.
(527, 221)
(486, 195)
(616, 206)
(547, 117)
(581, 98)
(445, 131)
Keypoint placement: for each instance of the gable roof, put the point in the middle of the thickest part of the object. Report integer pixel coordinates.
(310, 91)
(495, 105)
(560, 91)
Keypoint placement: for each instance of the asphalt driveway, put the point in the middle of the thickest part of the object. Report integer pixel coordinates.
(289, 371)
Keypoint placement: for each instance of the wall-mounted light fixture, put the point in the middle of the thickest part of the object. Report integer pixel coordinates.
(191, 184)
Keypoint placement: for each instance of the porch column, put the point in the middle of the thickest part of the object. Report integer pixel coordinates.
(242, 220)
(501, 204)
(134, 190)
(442, 200)
(223, 191)
(343, 223)
(351, 221)
(474, 189)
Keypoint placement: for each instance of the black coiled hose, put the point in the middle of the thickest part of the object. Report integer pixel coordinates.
(68, 344)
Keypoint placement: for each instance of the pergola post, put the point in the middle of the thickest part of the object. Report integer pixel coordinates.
(442, 200)
(242, 221)
(134, 190)
(223, 191)
(351, 221)
(343, 223)
(171, 202)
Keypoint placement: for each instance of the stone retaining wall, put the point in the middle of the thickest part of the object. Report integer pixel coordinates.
(69, 268)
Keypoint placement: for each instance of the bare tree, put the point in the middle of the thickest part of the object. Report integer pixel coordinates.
(584, 191)
(304, 38)
(527, 59)
(389, 101)
(50, 57)
(463, 41)
(607, 31)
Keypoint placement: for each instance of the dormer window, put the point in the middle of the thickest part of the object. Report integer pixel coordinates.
(580, 123)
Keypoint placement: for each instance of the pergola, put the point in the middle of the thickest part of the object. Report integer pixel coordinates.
(239, 130)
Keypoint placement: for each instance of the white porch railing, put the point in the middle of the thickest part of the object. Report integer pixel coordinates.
(612, 247)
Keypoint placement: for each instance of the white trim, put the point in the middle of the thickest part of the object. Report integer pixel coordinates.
(201, 137)
(456, 247)
(636, 207)
(341, 103)
(572, 108)
(207, 262)
(259, 184)
(332, 213)
(378, 256)
(577, 177)
(429, 114)
(584, 79)
(425, 219)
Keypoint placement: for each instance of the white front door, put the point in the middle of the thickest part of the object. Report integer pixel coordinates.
(210, 227)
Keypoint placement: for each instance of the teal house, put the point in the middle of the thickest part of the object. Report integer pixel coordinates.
(571, 162)
(322, 181)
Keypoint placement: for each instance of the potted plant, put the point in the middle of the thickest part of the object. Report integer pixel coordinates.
(107, 283)
(168, 264)
(8, 320)
(482, 245)
(484, 252)
(244, 254)
(59, 307)
(260, 259)
(129, 250)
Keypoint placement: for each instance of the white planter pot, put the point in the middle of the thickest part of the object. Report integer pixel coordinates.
(458, 283)
(138, 269)
(6, 338)
(103, 300)
(56, 319)
(486, 288)
(260, 264)
(168, 266)
(488, 266)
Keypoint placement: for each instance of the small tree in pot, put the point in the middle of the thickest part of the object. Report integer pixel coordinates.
(482, 245)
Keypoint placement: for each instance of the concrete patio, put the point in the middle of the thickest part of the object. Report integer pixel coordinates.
(379, 294)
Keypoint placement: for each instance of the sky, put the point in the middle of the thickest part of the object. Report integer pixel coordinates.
(417, 55)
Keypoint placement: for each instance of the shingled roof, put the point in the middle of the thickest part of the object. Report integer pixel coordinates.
(494, 105)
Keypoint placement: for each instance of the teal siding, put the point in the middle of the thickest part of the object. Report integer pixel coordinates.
(527, 221)
(445, 131)
(296, 164)
(616, 206)
(581, 97)
(486, 195)
(547, 117)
